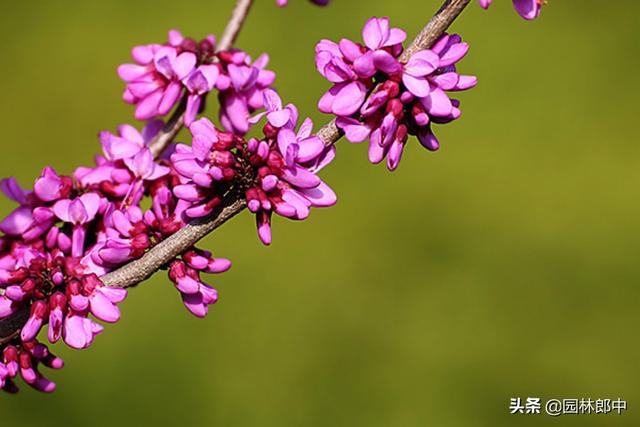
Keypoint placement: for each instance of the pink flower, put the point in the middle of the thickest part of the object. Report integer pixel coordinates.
(198, 83)
(129, 140)
(241, 89)
(78, 212)
(79, 331)
(196, 295)
(405, 99)
(39, 312)
(50, 186)
(154, 82)
(277, 116)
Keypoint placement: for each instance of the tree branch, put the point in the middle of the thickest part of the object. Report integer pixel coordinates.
(176, 121)
(158, 256)
(176, 244)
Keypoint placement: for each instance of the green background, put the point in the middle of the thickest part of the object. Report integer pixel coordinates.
(504, 265)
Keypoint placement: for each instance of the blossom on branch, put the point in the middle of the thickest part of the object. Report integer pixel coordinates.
(375, 96)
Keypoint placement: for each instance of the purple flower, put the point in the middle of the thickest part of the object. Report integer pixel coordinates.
(405, 99)
(277, 116)
(50, 186)
(378, 35)
(154, 81)
(241, 89)
(528, 9)
(25, 362)
(198, 83)
(79, 331)
(79, 212)
(129, 140)
(288, 184)
(185, 274)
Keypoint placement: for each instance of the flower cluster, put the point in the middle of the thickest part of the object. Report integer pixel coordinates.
(403, 98)
(185, 69)
(69, 231)
(528, 9)
(279, 170)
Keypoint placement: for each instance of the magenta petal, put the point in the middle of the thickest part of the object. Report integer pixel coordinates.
(309, 149)
(349, 99)
(438, 103)
(193, 106)
(115, 295)
(31, 328)
(188, 285)
(286, 138)
(272, 101)
(372, 34)
(55, 325)
(17, 222)
(422, 63)
(195, 304)
(148, 108)
(528, 9)
(364, 66)
(385, 62)
(396, 36)
(454, 54)
(6, 307)
(419, 86)
(466, 82)
(169, 98)
(446, 81)
(218, 265)
(321, 196)
(79, 302)
(263, 222)
(183, 64)
(354, 130)
(326, 101)
(376, 151)
(279, 118)
(429, 141)
(130, 72)
(103, 309)
(395, 155)
(301, 177)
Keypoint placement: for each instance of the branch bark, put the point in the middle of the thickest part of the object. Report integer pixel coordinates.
(143, 268)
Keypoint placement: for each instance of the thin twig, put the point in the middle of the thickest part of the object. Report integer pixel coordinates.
(142, 268)
(171, 129)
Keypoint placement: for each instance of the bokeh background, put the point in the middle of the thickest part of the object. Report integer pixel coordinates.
(506, 265)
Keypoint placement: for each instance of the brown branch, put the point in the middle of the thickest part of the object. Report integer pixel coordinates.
(176, 121)
(141, 269)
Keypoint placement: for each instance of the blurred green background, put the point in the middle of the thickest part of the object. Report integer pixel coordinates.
(505, 265)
